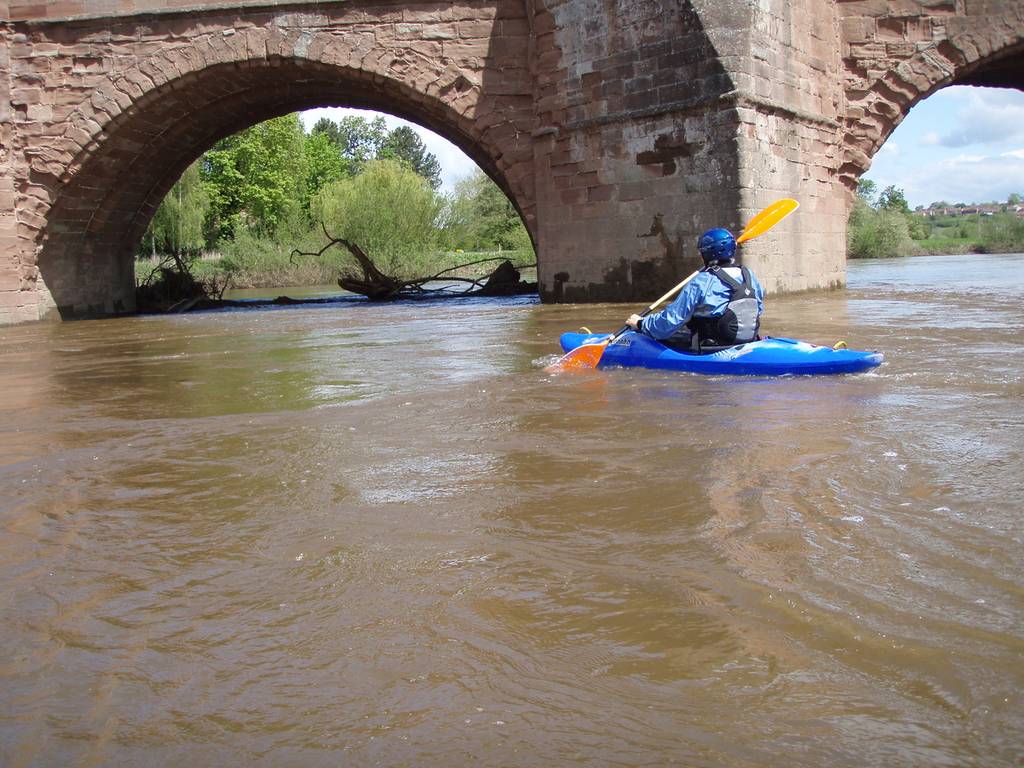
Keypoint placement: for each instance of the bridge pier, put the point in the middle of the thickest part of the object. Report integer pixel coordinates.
(620, 130)
(730, 108)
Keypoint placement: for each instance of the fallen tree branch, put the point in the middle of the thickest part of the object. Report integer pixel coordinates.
(377, 286)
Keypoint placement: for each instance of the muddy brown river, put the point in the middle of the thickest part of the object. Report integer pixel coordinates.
(353, 535)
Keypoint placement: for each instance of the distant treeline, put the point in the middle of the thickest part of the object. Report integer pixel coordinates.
(882, 225)
(247, 203)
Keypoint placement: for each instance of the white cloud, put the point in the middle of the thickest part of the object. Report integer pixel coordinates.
(988, 117)
(890, 148)
(962, 144)
(967, 179)
(962, 159)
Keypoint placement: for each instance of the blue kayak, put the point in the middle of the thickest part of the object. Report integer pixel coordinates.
(766, 357)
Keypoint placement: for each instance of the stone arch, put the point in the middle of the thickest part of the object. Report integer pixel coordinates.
(877, 104)
(126, 144)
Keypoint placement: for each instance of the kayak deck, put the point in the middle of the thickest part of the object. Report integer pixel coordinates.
(766, 357)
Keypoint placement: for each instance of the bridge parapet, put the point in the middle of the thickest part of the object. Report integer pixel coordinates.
(65, 10)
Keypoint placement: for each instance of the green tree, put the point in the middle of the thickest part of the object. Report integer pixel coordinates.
(404, 144)
(880, 227)
(329, 129)
(1000, 233)
(389, 210)
(867, 190)
(893, 199)
(877, 234)
(324, 164)
(357, 139)
(256, 177)
(919, 226)
(481, 218)
(360, 140)
(177, 226)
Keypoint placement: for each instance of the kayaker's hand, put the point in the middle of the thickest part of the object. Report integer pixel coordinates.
(633, 321)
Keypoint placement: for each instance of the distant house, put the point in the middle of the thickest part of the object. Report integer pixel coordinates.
(937, 211)
(985, 209)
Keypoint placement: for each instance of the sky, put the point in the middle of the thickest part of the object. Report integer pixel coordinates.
(960, 145)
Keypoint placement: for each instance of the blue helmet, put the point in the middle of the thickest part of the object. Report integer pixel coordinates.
(717, 245)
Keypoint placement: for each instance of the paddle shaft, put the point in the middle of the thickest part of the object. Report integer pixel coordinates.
(654, 306)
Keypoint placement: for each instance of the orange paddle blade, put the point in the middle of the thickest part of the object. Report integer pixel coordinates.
(584, 356)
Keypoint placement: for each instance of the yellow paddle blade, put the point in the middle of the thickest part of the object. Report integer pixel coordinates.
(584, 356)
(768, 218)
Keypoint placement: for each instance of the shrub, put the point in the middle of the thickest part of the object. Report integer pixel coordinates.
(878, 233)
(390, 211)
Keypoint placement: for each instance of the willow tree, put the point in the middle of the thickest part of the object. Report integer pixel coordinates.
(481, 218)
(177, 227)
(389, 210)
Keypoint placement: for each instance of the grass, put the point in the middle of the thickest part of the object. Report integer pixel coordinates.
(938, 246)
(269, 266)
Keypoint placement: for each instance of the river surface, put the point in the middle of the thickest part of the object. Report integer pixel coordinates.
(363, 535)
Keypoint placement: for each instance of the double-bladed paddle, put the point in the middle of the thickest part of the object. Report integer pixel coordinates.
(589, 355)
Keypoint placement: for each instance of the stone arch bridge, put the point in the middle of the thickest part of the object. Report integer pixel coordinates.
(619, 128)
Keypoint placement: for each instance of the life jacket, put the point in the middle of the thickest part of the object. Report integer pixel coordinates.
(739, 323)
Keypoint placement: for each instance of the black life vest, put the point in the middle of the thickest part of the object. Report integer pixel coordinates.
(739, 323)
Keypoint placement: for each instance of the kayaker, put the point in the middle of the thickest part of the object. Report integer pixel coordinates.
(720, 307)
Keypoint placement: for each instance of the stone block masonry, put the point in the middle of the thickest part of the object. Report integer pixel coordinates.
(619, 130)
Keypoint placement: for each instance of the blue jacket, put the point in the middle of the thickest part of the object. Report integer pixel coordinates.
(704, 296)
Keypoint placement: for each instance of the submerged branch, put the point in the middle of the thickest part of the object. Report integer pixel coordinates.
(172, 287)
(504, 280)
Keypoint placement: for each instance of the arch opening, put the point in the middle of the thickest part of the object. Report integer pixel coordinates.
(254, 214)
(982, 50)
(948, 179)
(875, 109)
(114, 187)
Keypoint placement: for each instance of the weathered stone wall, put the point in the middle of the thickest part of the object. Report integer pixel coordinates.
(789, 100)
(621, 129)
(18, 298)
(635, 151)
(668, 119)
(40, 10)
(108, 113)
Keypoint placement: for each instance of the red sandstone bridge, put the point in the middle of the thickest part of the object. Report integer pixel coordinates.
(619, 128)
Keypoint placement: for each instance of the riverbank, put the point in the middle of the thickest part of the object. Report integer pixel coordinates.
(887, 233)
(279, 269)
(950, 247)
(945, 248)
